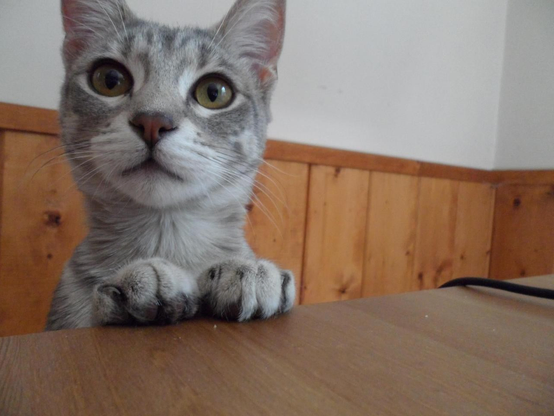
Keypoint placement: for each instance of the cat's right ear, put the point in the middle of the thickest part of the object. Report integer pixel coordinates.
(84, 20)
(254, 31)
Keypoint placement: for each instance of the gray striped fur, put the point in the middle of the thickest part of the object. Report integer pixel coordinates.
(156, 239)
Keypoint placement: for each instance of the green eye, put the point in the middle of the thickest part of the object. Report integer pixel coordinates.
(111, 79)
(213, 92)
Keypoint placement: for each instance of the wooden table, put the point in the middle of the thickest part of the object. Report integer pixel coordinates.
(459, 351)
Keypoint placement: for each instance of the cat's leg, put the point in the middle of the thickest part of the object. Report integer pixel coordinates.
(245, 289)
(72, 302)
(152, 291)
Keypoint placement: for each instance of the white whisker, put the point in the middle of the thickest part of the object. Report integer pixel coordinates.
(108, 15)
(122, 21)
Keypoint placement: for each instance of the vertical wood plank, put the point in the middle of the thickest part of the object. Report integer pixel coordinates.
(42, 221)
(523, 242)
(436, 227)
(337, 212)
(277, 218)
(390, 237)
(2, 145)
(474, 218)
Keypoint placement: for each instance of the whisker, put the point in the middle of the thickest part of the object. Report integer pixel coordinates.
(219, 27)
(43, 154)
(264, 209)
(282, 219)
(85, 177)
(270, 195)
(218, 176)
(52, 162)
(241, 17)
(262, 187)
(279, 170)
(104, 178)
(108, 15)
(80, 24)
(122, 20)
(61, 146)
(75, 168)
(278, 186)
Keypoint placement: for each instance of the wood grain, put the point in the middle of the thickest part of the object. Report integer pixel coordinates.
(2, 159)
(523, 242)
(42, 221)
(436, 227)
(525, 177)
(339, 158)
(454, 229)
(30, 119)
(445, 352)
(333, 262)
(437, 170)
(277, 220)
(390, 237)
(473, 234)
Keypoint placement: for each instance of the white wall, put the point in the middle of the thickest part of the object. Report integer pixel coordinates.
(411, 78)
(526, 120)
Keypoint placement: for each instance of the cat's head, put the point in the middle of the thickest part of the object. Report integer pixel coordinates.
(165, 115)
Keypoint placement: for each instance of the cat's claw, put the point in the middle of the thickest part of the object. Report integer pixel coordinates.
(146, 292)
(242, 289)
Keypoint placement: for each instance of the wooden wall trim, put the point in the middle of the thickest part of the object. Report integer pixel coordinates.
(457, 173)
(31, 119)
(315, 155)
(524, 177)
(295, 152)
(40, 120)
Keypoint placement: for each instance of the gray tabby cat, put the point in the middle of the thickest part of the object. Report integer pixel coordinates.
(165, 129)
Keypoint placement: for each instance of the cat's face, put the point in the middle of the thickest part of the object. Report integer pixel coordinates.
(166, 115)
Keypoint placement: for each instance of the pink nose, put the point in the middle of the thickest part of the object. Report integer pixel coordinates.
(152, 126)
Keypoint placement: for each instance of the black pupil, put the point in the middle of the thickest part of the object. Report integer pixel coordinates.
(113, 79)
(212, 92)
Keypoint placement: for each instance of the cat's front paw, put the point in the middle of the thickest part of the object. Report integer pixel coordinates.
(152, 291)
(242, 289)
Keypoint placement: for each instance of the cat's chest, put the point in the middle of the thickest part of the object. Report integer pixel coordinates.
(181, 240)
(192, 242)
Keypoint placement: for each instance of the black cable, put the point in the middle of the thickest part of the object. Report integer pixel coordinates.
(501, 285)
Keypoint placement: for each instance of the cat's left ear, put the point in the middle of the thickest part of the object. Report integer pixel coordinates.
(85, 20)
(254, 30)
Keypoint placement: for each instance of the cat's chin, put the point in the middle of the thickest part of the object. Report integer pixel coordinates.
(150, 169)
(154, 188)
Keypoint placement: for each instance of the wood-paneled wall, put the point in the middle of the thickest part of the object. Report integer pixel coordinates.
(347, 224)
(523, 231)
(41, 223)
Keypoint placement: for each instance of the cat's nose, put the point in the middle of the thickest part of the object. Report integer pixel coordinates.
(152, 126)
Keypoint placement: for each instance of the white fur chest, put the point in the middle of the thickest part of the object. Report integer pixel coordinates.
(192, 240)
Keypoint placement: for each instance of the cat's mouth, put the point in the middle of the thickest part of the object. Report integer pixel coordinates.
(150, 166)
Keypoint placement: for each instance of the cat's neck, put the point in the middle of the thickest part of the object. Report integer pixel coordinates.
(191, 235)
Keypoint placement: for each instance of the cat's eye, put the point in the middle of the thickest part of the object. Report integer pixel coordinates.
(111, 79)
(213, 92)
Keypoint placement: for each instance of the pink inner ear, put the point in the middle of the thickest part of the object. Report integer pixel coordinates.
(276, 36)
(266, 74)
(72, 12)
(68, 15)
(72, 46)
(275, 40)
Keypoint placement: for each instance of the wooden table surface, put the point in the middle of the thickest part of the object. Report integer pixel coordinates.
(459, 351)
